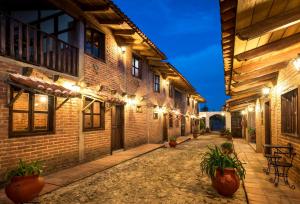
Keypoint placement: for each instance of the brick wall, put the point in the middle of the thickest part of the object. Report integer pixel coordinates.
(288, 79)
(55, 150)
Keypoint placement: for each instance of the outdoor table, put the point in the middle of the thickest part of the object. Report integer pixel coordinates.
(274, 160)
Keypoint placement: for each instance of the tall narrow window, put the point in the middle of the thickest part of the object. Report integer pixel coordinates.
(136, 67)
(95, 43)
(93, 115)
(289, 113)
(171, 90)
(156, 83)
(170, 120)
(31, 113)
(188, 100)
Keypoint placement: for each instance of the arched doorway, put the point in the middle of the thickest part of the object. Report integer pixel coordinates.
(217, 122)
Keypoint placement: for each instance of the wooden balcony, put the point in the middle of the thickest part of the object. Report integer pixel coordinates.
(25, 43)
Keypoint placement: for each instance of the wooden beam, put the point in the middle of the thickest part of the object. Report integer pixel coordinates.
(110, 21)
(229, 14)
(270, 24)
(256, 79)
(228, 24)
(71, 7)
(123, 32)
(227, 33)
(145, 53)
(153, 58)
(271, 47)
(261, 72)
(255, 89)
(234, 98)
(94, 9)
(239, 107)
(227, 5)
(244, 100)
(250, 66)
(244, 86)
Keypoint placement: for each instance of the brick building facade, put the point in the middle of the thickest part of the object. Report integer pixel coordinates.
(261, 66)
(114, 93)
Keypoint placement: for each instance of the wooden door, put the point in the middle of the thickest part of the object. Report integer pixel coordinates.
(267, 125)
(182, 125)
(236, 124)
(117, 127)
(165, 128)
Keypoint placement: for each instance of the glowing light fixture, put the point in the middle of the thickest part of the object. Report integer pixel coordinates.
(296, 63)
(131, 101)
(243, 112)
(72, 87)
(222, 113)
(43, 99)
(123, 49)
(250, 108)
(266, 91)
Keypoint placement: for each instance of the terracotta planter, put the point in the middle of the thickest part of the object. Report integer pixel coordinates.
(172, 143)
(227, 184)
(23, 189)
(195, 135)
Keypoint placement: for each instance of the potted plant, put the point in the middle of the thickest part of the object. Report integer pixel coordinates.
(196, 132)
(227, 148)
(24, 182)
(225, 170)
(172, 141)
(252, 134)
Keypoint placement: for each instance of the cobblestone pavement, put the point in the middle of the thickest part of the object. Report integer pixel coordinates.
(162, 176)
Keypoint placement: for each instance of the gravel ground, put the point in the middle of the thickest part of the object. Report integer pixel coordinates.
(162, 176)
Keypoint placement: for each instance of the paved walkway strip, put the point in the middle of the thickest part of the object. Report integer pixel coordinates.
(65, 177)
(258, 187)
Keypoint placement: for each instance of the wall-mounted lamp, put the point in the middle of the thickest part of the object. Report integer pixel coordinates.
(243, 112)
(266, 91)
(296, 63)
(72, 87)
(223, 114)
(250, 108)
(123, 49)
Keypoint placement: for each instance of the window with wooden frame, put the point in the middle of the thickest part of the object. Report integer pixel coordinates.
(171, 90)
(170, 120)
(188, 100)
(94, 43)
(136, 69)
(156, 83)
(93, 115)
(30, 113)
(289, 113)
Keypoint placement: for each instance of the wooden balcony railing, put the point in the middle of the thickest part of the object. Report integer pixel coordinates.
(28, 44)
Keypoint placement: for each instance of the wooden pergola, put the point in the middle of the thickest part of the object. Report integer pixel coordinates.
(259, 38)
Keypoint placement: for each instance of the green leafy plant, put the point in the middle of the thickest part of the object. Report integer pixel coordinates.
(202, 124)
(251, 131)
(172, 139)
(215, 159)
(25, 169)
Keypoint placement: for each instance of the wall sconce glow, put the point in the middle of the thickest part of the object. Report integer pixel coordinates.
(131, 101)
(250, 109)
(161, 109)
(223, 114)
(266, 91)
(43, 99)
(123, 49)
(71, 86)
(243, 112)
(296, 63)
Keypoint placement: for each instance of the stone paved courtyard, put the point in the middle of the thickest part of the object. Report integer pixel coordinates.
(162, 176)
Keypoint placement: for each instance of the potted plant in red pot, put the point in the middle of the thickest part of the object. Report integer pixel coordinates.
(225, 170)
(172, 141)
(24, 182)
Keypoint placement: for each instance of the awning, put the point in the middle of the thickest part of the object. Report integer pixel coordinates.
(36, 85)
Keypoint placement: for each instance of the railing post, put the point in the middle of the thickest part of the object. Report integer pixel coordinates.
(3, 34)
(42, 48)
(12, 38)
(20, 41)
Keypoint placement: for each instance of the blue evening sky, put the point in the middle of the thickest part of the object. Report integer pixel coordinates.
(189, 33)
